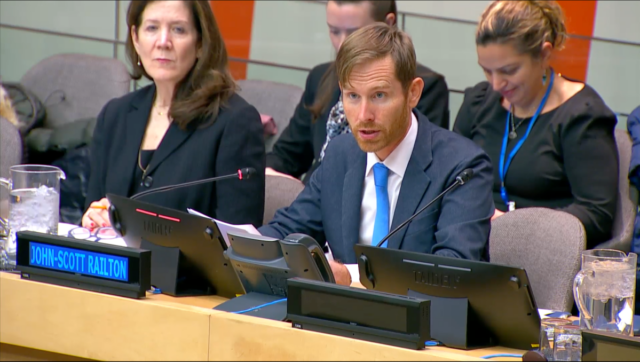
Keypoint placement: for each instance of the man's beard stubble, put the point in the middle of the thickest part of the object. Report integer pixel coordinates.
(396, 130)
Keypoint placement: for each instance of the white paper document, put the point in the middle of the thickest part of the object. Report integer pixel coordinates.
(226, 227)
(354, 271)
(543, 312)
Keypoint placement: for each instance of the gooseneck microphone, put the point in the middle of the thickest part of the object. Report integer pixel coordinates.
(242, 174)
(461, 179)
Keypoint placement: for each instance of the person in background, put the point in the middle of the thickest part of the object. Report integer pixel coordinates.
(8, 113)
(633, 126)
(550, 138)
(6, 108)
(188, 125)
(393, 164)
(319, 117)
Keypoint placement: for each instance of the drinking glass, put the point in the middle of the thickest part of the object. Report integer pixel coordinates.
(567, 343)
(547, 335)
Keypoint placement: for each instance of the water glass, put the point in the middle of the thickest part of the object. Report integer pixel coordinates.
(547, 335)
(34, 204)
(567, 343)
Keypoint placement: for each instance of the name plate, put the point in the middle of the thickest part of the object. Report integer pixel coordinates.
(357, 313)
(79, 261)
(84, 264)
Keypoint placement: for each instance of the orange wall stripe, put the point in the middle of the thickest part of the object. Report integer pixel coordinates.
(235, 20)
(573, 61)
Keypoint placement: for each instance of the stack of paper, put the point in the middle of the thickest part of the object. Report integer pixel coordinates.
(226, 227)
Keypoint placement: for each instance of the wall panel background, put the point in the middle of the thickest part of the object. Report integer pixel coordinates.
(282, 40)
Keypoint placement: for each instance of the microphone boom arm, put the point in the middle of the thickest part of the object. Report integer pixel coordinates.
(460, 180)
(186, 184)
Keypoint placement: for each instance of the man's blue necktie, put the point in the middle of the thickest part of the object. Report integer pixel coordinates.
(381, 226)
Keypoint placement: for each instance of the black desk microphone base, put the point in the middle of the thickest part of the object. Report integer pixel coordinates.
(165, 273)
(454, 324)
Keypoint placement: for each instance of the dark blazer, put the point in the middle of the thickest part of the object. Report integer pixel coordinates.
(633, 126)
(297, 150)
(235, 140)
(569, 161)
(456, 226)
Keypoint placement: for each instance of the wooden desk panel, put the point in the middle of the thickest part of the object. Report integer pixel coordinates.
(44, 317)
(207, 302)
(99, 326)
(9, 352)
(244, 338)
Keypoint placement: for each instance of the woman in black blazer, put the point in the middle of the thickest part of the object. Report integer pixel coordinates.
(189, 125)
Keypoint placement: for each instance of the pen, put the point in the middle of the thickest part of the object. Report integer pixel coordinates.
(101, 207)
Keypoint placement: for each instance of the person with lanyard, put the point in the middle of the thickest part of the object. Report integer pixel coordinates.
(319, 117)
(633, 127)
(550, 138)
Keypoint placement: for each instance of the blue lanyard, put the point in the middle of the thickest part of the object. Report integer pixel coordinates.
(504, 167)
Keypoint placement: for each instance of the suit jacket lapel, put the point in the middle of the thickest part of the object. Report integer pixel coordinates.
(351, 203)
(170, 142)
(414, 183)
(135, 124)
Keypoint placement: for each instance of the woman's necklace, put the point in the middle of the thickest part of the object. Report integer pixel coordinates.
(161, 110)
(513, 135)
(143, 169)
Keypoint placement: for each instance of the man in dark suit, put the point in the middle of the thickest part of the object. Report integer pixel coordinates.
(633, 126)
(393, 163)
(318, 118)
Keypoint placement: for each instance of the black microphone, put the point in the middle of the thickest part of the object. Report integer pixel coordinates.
(461, 179)
(242, 174)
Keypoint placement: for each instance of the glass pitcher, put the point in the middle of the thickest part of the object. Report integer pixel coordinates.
(604, 290)
(34, 203)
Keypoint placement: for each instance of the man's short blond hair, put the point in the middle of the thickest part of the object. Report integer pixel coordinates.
(375, 42)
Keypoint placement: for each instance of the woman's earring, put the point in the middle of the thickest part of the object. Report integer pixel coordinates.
(544, 78)
(139, 63)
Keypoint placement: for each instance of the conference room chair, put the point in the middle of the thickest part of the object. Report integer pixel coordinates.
(10, 154)
(279, 192)
(547, 243)
(277, 100)
(625, 216)
(76, 86)
(10, 147)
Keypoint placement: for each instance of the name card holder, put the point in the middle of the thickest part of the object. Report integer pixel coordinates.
(83, 264)
(358, 313)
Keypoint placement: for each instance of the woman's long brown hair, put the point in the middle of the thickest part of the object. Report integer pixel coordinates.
(209, 84)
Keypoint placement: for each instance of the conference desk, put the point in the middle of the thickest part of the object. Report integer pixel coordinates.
(40, 321)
